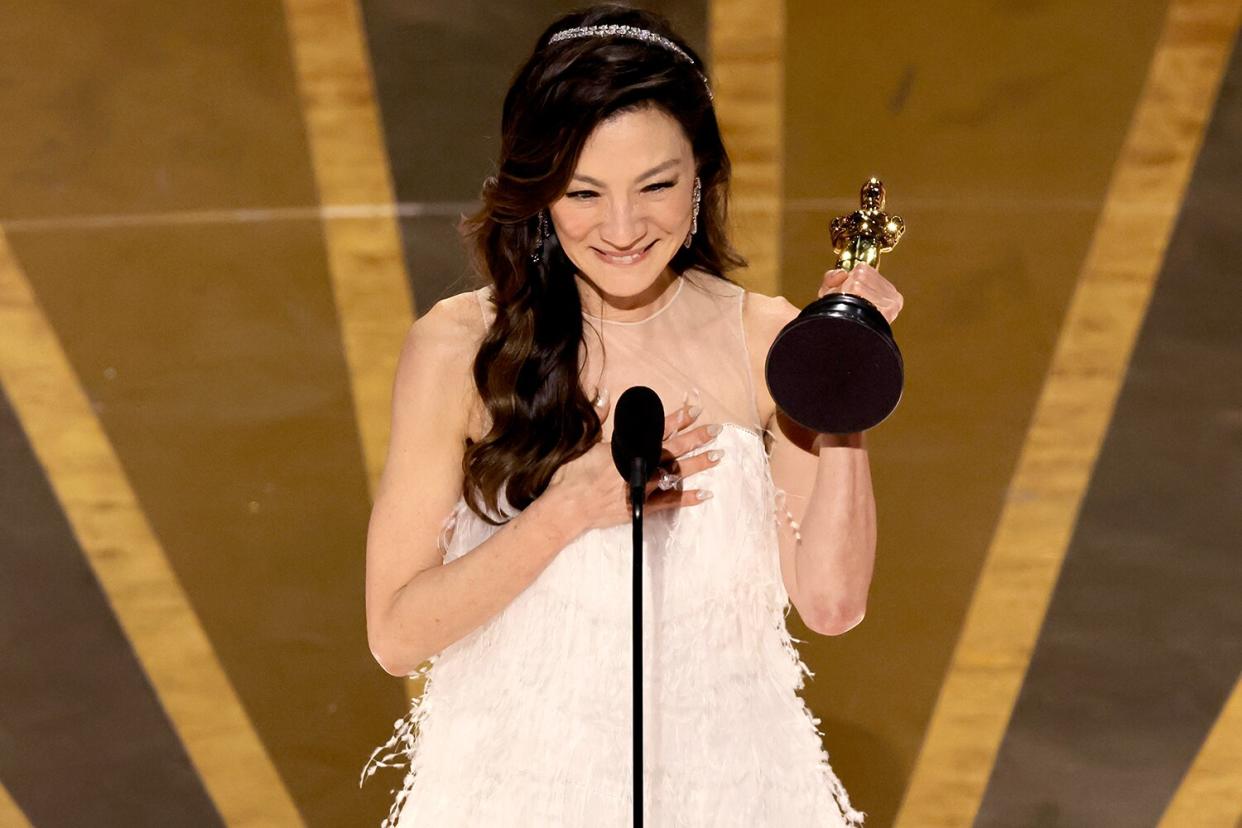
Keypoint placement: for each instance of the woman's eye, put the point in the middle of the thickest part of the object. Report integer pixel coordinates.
(583, 195)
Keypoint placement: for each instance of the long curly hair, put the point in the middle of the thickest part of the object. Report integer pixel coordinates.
(527, 369)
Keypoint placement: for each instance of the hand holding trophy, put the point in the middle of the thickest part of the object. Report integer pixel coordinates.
(836, 368)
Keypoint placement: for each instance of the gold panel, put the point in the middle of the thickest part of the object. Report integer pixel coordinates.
(1004, 116)
(1071, 417)
(747, 66)
(1210, 795)
(108, 522)
(369, 281)
(10, 815)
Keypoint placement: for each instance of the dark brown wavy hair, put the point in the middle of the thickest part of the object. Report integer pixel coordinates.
(527, 367)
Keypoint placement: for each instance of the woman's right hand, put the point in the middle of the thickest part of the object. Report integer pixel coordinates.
(595, 496)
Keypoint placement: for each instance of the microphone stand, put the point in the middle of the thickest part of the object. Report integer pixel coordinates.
(638, 491)
(636, 452)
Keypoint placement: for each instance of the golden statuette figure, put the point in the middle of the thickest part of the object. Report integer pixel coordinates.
(867, 232)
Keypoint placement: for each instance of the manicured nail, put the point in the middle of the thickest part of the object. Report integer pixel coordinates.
(704, 494)
(715, 454)
(714, 429)
(695, 410)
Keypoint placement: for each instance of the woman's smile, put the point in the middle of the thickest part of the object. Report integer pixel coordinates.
(623, 260)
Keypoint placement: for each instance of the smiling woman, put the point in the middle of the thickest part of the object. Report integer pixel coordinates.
(499, 545)
(621, 235)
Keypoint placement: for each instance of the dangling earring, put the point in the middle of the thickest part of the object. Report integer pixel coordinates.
(536, 255)
(694, 216)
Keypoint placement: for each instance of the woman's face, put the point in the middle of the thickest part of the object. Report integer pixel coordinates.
(628, 207)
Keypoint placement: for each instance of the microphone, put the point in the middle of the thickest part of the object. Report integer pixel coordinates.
(637, 435)
(637, 438)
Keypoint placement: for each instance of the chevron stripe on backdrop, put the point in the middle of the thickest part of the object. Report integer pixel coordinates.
(217, 221)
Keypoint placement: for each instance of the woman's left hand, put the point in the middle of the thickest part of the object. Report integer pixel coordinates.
(865, 281)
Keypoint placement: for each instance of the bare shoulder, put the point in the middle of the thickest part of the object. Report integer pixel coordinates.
(453, 324)
(442, 344)
(763, 317)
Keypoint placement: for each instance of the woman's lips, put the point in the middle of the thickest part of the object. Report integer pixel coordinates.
(629, 259)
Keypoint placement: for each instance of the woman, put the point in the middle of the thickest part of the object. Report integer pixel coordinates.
(602, 239)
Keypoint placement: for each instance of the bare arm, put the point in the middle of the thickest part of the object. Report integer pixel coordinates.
(417, 605)
(830, 544)
(827, 553)
(444, 603)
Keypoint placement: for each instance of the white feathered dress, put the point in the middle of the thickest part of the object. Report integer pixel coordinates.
(526, 721)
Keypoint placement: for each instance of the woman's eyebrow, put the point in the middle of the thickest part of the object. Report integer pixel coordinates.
(672, 162)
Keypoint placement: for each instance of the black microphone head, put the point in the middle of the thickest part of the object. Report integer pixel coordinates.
(638, 429)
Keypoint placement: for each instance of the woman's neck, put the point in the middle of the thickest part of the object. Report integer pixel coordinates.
(634, 308)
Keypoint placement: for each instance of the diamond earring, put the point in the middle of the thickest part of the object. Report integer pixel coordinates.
(694, 216)
(536, 255)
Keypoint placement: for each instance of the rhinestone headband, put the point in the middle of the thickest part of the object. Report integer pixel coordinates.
(616, 30)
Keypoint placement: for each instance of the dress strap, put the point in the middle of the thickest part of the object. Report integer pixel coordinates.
(750, 380)
(478, 295)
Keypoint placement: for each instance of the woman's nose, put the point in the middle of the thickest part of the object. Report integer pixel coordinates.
(622, 227)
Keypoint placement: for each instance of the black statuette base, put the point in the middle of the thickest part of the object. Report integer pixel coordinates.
(836, 368)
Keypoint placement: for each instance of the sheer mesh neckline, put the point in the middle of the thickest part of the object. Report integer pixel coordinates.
(681, 283)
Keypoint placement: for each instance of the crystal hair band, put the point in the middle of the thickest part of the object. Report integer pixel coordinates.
(617, 30)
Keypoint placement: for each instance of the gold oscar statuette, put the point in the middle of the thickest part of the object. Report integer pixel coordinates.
(836, 368)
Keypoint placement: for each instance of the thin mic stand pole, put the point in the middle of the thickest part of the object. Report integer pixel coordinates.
(638, 485)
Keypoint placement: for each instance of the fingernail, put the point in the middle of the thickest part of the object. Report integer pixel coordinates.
(695, 410)
(715, 454)
(704, 494)
(714, 429)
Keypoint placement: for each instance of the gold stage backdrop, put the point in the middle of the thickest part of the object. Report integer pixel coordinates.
(217, 221)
